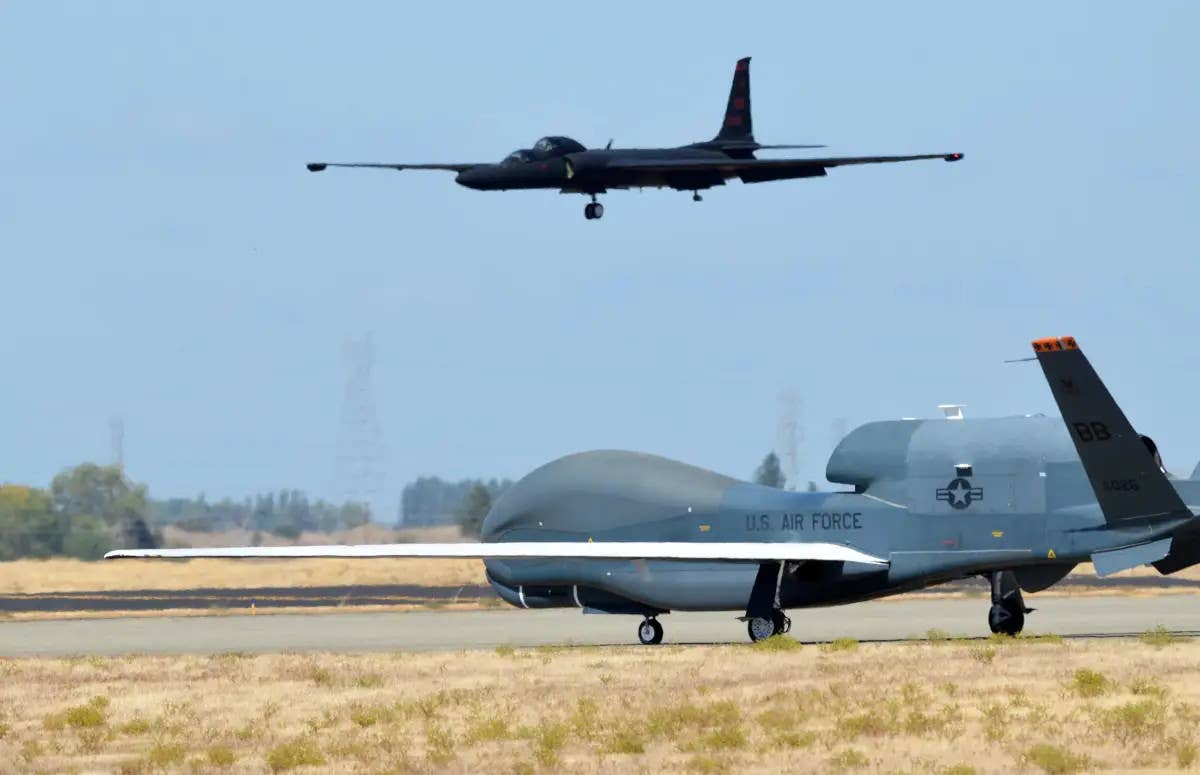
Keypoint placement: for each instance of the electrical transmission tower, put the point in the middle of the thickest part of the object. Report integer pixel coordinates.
(358, 476)
(789, 435)
(116, 440)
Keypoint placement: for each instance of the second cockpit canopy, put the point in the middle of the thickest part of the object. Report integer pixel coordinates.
(545, 148)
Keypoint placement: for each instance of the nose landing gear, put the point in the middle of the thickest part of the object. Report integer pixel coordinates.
(593, 209)
(650, 632)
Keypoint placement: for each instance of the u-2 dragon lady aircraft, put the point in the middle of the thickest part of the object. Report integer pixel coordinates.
(571, 167)
(1017, 500)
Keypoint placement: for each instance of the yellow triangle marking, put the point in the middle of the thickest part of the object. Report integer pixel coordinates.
(1050, 555)
(997, 534)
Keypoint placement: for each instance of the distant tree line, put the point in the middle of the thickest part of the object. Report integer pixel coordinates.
(286, 513)
(431, 500)
(87, 510)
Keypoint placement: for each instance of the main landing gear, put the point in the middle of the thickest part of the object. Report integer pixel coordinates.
(761, 628)
(650, 632)
(593, 209)
(696, 197)
(1007, 614)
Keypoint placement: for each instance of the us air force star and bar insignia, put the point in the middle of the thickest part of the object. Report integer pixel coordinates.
(959, 493)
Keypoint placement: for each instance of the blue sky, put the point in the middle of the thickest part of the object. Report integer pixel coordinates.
(166, 256)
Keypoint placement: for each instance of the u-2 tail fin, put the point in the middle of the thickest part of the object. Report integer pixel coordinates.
(1120, 466)
(737, 125)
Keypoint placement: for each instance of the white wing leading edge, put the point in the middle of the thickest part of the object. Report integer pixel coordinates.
(601, 550)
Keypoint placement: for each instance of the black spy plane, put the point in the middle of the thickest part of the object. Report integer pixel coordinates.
(565, 164)
(1017, 500)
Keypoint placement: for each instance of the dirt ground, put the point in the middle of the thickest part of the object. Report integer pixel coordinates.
(935, 705)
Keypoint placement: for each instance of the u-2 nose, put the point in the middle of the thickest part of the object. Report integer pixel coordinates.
(468, 177)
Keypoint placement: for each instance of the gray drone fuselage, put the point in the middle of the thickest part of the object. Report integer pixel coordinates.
(940, 499)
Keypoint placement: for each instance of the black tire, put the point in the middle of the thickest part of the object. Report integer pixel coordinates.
(597, 210)
(650, 632)
(589, 210)
(780, 622)
(1006, 620)
(760, 628)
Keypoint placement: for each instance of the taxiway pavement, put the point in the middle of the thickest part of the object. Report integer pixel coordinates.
(455, 630)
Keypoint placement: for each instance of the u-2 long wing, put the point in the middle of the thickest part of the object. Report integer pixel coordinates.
(319, 166)
(732, 167)
(761, 551)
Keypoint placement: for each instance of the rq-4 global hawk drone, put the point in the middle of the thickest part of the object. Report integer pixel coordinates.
(567, 165)
(1017, 500)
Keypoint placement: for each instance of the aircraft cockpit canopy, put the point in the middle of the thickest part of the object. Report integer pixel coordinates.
(557, 146)
(519, 157)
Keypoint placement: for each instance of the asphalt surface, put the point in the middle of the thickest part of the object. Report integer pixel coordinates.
(457, 630)
(220, 598)
(350, 596)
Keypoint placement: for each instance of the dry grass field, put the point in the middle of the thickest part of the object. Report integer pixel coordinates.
(937, 705)
(66, 575)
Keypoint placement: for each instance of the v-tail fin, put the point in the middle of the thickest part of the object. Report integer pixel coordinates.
(1121, 467)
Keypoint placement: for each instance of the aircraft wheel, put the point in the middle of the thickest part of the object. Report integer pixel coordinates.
(589, 210)
(760, 628)
(597, 210)
(650, 632)
(781, 623)
(1007, 620)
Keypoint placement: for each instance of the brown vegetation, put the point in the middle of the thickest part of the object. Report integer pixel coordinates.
(1036, 704)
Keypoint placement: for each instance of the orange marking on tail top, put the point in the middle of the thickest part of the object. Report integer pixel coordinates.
(1046, 345)
(1070, 343)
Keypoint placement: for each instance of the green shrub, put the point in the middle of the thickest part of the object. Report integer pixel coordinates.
(793, 739)
(494, 728)
(1054, 760)
(300, 752)
(850, 758)
(1134, 721)
(841, 644)
(625, 741)
(164, 755)
(778, 642)
(85, 716)
(136, 726)
(1159, 636)
(440, 745)
(505, 651)
(548, 740)
(984, 654)
(221, 756)
(1089, 683)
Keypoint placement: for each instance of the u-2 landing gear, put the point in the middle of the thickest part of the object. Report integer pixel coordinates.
(761, 628)
(593, 210)
(1007, 614)
(650, 632)
(696, 197)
